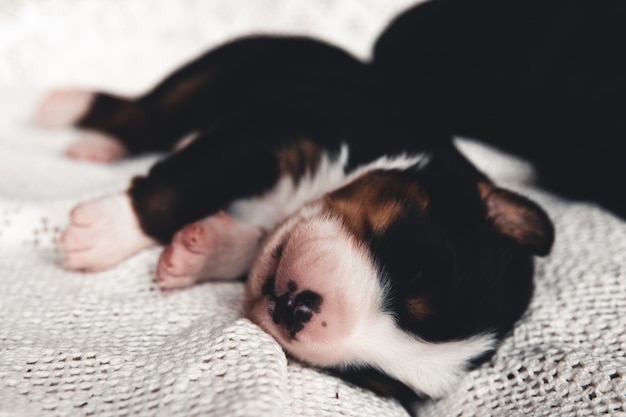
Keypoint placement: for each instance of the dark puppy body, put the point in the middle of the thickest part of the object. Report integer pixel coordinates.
(545, 79)
(246, 102)
(388, 256)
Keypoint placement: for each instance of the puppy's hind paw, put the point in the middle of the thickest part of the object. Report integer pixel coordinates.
(217, 247)
(62, 108)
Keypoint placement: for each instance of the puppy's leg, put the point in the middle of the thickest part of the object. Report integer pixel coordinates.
(190, 99)
(62, 108)
(216, 247)
(199, 181)
(111, 123)
(116, 126)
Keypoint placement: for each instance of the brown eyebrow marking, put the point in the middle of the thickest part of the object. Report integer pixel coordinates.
(296, 160)
(374, 201)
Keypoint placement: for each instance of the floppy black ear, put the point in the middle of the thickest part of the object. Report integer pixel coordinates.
(518, 218)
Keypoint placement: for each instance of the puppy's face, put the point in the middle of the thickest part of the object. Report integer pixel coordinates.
(376, 272)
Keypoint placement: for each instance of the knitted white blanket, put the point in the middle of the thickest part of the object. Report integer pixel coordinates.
(111, 344)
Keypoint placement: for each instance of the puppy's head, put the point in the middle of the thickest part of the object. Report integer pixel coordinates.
(409, 273)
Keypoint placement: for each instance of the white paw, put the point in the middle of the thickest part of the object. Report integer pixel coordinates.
(217, 247)
(102, 233)
(97, 147)
(62, 108)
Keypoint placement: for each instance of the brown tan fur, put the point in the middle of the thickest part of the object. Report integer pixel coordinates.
(369, 204)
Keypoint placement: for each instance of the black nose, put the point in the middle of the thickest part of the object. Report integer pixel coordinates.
(295, 312)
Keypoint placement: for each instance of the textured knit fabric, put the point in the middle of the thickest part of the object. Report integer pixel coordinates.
(111, 344)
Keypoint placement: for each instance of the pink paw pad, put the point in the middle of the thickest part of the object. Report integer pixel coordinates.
(62, 108)
(216, 247)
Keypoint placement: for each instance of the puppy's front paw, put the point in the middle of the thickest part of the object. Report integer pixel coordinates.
(216, 247)
(102, 233)
(62, 108)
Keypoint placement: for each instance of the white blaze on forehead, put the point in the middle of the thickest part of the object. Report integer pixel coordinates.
(288, 196)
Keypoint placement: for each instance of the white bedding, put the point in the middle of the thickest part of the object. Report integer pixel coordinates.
(110, 344)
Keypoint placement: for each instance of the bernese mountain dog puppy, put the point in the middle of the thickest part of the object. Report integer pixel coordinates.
(544, 79)
(373, 248)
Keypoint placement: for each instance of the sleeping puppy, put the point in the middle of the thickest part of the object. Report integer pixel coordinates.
(545, 79)
(375, 250)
